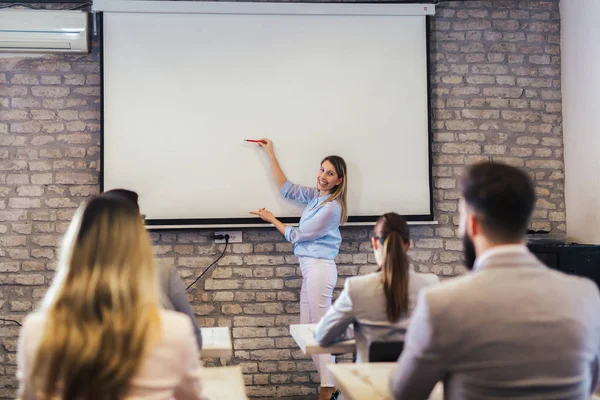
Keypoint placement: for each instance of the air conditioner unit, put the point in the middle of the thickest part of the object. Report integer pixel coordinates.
(42, 31)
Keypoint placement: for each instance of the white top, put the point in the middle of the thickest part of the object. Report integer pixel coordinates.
(171, 370)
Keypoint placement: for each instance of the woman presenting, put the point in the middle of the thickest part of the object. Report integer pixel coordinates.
(316, 241)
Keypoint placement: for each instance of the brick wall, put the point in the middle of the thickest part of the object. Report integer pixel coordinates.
(496, 95)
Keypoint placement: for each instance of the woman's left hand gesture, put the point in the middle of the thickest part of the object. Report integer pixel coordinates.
(264, 214)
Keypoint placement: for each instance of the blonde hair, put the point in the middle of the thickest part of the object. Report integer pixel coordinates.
(340, 191)
(102, 310)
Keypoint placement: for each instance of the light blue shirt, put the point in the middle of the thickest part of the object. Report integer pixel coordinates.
(318, 233)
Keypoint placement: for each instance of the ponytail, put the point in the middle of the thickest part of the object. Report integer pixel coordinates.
(395, 276)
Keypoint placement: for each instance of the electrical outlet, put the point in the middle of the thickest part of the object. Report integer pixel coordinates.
(234, 236)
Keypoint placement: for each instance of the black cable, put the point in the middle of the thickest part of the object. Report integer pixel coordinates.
(213, 263)
(10, 320)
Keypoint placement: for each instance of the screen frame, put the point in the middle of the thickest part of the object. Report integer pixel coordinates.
(200, 223)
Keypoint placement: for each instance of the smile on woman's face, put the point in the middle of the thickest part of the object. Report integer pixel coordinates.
(327, 178)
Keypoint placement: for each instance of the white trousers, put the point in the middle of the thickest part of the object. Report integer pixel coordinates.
(318, 280)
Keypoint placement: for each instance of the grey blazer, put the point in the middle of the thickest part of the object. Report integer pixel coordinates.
(362, 303)
(174, 297)
(512, 329)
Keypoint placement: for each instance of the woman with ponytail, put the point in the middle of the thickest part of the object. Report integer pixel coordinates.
(378, 304)
(100, 333)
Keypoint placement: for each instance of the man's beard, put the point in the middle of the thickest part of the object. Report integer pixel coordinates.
(469, 252)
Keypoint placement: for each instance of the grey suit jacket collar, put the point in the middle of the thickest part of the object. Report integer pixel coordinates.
(507, 256)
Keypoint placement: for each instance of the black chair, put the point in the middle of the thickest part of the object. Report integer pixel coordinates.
(385, 351)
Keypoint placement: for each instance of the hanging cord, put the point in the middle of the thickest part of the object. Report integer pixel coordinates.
(213, 263)
(10, 320)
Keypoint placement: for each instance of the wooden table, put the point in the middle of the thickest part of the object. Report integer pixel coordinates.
(372, 381)
(216, 342)
(303, 334)
(223, 383)
(369, 381)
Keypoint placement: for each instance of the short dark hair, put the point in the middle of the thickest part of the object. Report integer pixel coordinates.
(502, 198)
(123, 194)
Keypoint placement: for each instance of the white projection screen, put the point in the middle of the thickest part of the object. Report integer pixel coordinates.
(184, 83)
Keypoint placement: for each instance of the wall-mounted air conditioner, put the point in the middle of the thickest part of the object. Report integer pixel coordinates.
(43, 31)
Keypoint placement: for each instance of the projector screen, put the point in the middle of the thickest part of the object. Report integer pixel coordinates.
(184, 83)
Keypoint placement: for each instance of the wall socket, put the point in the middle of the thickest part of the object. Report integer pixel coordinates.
(234, 236)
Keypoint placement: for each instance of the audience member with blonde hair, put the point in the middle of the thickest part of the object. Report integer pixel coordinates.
(100, 332)
(172, 291)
